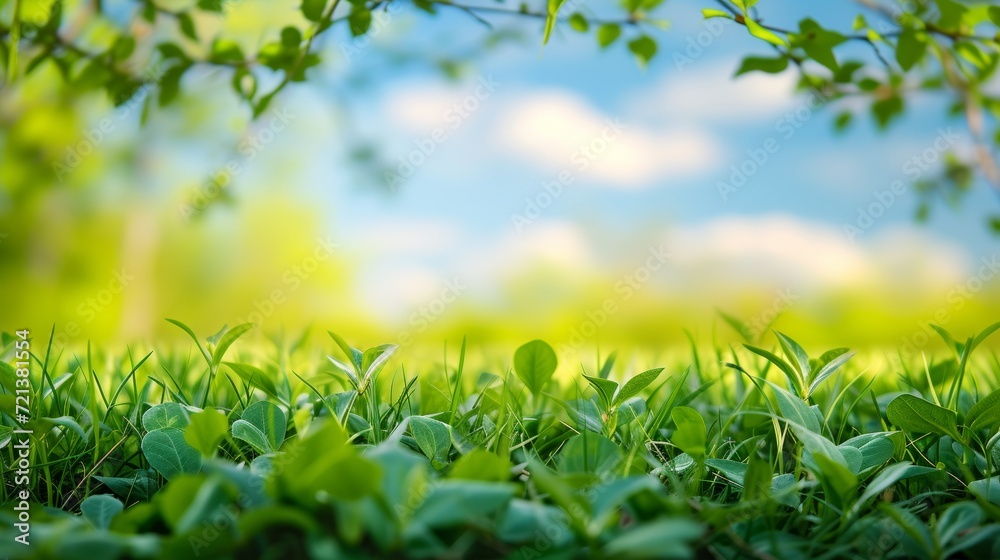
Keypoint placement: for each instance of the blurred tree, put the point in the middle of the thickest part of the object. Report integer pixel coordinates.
(138, 52)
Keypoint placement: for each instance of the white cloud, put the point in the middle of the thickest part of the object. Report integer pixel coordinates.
(710, 93)
(559, 130)
(785, 249)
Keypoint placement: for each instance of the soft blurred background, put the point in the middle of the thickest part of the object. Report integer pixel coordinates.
(408, 194)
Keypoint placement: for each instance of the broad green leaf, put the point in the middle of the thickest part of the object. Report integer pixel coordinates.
(140, 486)
(607, 34)
(245, 431)
(534, 363)
(313, 9)
(206, 430)
(456, 502)
(663, 538)
(795, 409)
(100, 509)
(985, 413)
(269, 420)
(733, 470)
(433, 437)
(691, 434)
(324, 461)
(886, 478)
(579, 22)
(168, 452)
(644, 48)
(913, 414)
(208, 504)
(481, 464)
(987, 489)
(818, 42)
(771, 66)
(589, 453)
(795, 355)
(166, 415)
(227, 340)
(838, 480)
(359, 20)
(910, 49)
(875, 451)
(634, 386)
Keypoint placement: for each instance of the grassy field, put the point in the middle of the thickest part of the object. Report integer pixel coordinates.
(227, 449)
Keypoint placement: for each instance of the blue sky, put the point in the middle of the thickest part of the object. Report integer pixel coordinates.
(681, 128)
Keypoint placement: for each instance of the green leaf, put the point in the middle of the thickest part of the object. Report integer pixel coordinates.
(182, 326)
(359, 20)
(313, 9)
(709, 13)
(760, 32)
(733, 470)
(910, 49)
(579, 22)
(886, 109)
(605, 389)
(263, 426)
(454, 503)
(166, 415)
(140, 486)
(534, 363)
(795, 409)
(951, 14)
(100, 510)
(226, 50)
(635, 385)
(480, 464)
(829, 368)
(875, 449)
(227, 340)
(206, 430)
(254, 377)
(762, 64)
(795, 355)
(818, 42)
(208, 504)
(994, 14)
(913, 414)
(608, 33)
(589, 453)
(644, 48)
(324, 461)
(663, 538)
(987, 489)
(168, 452)
(985, 413)
(691, 434)
(790, 374)
(433, 437)
(550, 19)
(186, 23)
(886, 478)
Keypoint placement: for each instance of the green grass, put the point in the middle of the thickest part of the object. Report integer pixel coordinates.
(230, 450)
